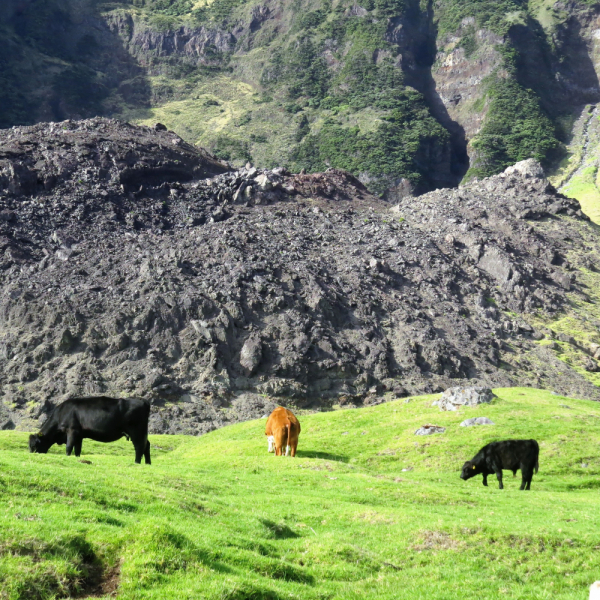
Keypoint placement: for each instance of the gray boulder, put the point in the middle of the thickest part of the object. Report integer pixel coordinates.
(477, 421)
(251, 354)
(456, 397)
(429, 430)
(529, 169)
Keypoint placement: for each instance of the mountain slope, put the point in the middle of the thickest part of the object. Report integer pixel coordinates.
(404, 94)
(59, 60)
(367, 509)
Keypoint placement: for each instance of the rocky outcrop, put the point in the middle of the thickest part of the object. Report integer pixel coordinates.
(458, 397)
(296, 288)
(196, 46)
(98, 151)
(430, 430)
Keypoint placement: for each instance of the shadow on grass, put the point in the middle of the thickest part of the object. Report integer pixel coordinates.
(279, 531)
(321, 455)
(250, 592)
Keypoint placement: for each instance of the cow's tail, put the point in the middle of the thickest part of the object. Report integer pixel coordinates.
(287, 444)
(537, 465)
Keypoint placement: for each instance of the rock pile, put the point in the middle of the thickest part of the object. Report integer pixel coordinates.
(134, 264)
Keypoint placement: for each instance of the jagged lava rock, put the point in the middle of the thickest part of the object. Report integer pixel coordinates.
(190, 293)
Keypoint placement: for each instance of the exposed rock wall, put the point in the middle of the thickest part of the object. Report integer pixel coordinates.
(459, 78)
(196, 46)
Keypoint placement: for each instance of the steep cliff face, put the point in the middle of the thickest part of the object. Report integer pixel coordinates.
(193, 46)
(459, 74)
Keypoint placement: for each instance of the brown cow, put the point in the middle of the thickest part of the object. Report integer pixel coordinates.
(282, 430)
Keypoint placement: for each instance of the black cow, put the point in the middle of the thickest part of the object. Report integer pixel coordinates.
(102, 419)
(510, 455)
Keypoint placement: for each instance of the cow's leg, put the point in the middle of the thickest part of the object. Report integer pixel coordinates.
(485, 479)
(499, 476)
(497, 470)
(147, 453)
(139, 443)
(527, 476)
(77, 446)
(71, 441)
(280, 441)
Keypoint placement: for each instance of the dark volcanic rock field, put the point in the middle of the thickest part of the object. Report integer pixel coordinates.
(134, 264)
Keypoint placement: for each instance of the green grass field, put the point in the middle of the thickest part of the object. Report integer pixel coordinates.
(218, 517)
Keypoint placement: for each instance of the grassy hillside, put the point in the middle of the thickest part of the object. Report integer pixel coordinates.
(217, 517)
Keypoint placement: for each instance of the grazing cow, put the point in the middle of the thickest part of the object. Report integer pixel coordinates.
(102, 419)
(282, 430)
(595, 591)
(510, 455)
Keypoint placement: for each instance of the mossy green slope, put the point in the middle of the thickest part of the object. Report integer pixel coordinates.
(577, 176)
(218, 517)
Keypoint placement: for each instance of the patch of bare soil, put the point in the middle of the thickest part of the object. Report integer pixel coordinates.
(101, 582)
(436, 540)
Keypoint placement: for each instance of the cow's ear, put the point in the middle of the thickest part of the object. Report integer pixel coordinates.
(473, 466)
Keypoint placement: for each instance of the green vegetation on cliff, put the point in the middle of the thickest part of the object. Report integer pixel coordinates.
(515, 129)
(390, 151)
(217, 517)
(496, 15)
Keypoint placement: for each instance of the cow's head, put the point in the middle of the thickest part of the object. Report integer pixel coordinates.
(469, 470)
(37, 443)
(271, 440)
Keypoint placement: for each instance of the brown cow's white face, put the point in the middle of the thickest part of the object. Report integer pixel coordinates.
(271, 440)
